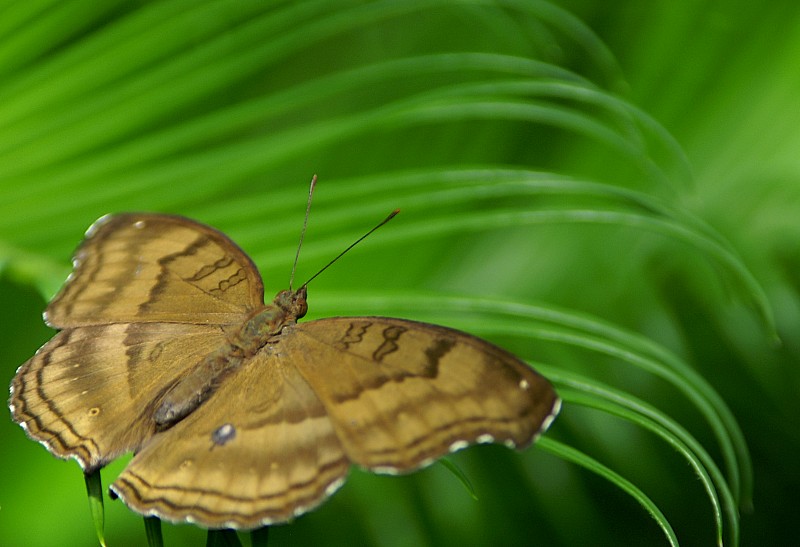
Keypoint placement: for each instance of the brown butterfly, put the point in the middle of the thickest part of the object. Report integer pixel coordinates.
(239, 415)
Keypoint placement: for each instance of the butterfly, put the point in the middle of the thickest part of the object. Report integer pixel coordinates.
(239, 414)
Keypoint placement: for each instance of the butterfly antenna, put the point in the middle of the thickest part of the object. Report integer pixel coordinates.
(356, 242)
(303, 231)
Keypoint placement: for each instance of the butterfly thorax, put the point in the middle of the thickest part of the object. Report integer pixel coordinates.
(260, 329)
(286, 308)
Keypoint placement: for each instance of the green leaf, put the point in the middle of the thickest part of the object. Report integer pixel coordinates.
(460, 475)
(152, 527)
(94, 491)
(589, 463)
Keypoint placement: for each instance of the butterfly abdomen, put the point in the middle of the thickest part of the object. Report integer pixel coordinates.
(188, 393)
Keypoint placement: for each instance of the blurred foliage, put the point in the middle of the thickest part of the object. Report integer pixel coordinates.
(610, 190)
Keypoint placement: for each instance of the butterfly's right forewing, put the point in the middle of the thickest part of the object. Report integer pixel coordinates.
(402, 393)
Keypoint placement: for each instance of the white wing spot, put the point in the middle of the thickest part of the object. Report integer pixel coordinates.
(299, 510)
(523, 384)
(485, 438)
(223, 434)
(458, 445)
(97, 225)
(549, 420)
(139, 224)
(334, 486)
(385, 470)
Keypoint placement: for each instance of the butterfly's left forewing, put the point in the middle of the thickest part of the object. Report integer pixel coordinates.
(156, 268)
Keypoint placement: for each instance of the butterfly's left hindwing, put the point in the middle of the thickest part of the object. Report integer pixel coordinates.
(89, 392)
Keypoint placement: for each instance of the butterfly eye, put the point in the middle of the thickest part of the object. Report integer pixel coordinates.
(300, 306)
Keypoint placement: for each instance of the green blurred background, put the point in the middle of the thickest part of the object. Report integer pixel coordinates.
(609, 189)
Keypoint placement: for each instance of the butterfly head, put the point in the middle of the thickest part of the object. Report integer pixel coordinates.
(293, 303)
